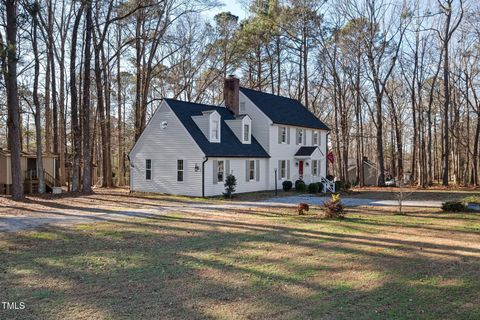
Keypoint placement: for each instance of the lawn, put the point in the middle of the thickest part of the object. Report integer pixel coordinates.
(249, 264)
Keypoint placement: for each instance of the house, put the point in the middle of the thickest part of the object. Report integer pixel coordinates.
(370, 172)
(28, 174)
(260, 138)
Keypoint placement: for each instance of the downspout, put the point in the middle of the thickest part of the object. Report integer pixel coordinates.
(203, 176)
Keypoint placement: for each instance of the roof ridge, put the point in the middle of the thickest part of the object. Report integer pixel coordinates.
(271, 94)
(195, 103)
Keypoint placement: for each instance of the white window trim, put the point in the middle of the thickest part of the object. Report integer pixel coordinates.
(317, 134)
(299, 134)
(283, 166)
(223, 171)
(148, 169)
(250, 170)
(284, 132)
(242, 106)
(246, 132)
(183, 170)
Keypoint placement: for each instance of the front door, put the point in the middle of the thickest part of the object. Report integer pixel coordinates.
(300, 169)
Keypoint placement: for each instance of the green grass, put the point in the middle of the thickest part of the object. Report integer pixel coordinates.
(256, 264)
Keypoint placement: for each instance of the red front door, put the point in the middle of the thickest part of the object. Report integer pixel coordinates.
(300, 169)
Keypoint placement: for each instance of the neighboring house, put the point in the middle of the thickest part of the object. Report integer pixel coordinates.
(262, 139)
(28, 174)
(370, 172)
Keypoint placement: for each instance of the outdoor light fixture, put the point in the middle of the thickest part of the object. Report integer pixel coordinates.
(197, 168)
(307, 163)
(296, 163)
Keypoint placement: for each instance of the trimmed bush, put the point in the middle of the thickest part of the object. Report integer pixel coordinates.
(334, 208)
(454, 206)
(287, 185)
(300, 186)
(313, 188)
(230, 184)
(320, 186)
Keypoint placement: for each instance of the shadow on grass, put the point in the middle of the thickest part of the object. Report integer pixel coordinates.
(204, 267)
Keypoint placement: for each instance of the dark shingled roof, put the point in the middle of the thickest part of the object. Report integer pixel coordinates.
(305, 151)
(284, 110)
(229, 146)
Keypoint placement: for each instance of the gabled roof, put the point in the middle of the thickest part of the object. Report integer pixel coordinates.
(284, 110)
(305, 151)
(229, 145)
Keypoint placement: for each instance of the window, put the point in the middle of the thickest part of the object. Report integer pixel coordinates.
(148, 169)
(315, 167)
(246, 132)
(220, 171)
(251, 169)
(180, 170)
(215, 130)
(283, 169)
(299, 136)
(315, 138)
(242, 107)
(283, 134)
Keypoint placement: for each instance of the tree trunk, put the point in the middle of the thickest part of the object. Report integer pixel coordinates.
(12, 99)
(86, 104)
(76, 134)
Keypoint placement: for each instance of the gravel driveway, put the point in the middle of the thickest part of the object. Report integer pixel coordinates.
(352, 202)
(68, 215)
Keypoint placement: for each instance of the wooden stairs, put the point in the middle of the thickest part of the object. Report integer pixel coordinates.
(31, 182)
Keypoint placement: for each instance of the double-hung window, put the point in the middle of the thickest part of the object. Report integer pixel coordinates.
(315, 167)
(283, 169)
(220, 171)
(251, 169)
(246, 132)
(180, 170)
(148, 169)
(315, 138)
(215, 130)
(283, 134)
(299, 136)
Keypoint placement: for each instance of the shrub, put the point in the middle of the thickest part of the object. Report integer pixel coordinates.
(287, 185)
(313, 188)
(334, 208)
(453, 206)
(342, 185)
(230, 184)
(297, 182)
(330, 177)
(300, 186)
(320, 186)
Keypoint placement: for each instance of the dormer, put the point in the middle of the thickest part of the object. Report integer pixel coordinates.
(242, 128)
(210, 124)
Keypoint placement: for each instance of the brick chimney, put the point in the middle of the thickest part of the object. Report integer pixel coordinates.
(231, 90)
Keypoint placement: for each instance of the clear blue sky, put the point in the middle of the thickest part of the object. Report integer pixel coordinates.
(234, 6)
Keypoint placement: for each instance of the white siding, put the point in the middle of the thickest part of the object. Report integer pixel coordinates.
(238, 169)
(287, 151)
(164, 147)
(260, 122)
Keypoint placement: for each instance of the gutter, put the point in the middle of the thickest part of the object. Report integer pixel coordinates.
(203, 176)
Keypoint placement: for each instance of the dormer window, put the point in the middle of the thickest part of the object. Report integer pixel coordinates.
(215, 134)
(246, 132)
